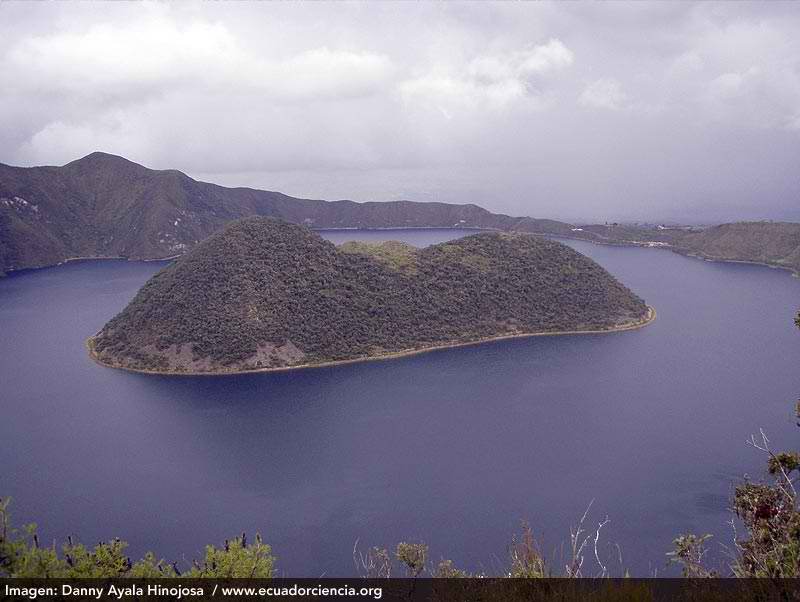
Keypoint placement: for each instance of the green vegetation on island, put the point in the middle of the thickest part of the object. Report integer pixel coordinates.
(264, 293)
(394, 254)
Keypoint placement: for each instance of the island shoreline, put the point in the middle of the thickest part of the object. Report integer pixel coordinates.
(648, 319)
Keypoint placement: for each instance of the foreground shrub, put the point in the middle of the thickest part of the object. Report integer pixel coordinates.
(22, 555)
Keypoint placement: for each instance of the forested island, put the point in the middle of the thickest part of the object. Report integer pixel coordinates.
(266, 294)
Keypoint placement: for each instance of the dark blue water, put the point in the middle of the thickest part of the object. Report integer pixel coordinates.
(454, 447)
(420, 237)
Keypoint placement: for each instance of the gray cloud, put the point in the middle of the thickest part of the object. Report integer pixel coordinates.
(620, 111)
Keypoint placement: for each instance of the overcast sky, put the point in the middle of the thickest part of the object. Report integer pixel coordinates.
(573, 111)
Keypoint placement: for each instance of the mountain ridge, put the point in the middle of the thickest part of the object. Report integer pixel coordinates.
(104, 205)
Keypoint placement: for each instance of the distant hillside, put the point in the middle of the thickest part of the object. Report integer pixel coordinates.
(264, 293)
(772, 243)
(106, 206)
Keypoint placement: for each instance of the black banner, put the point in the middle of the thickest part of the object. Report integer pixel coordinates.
(408, 590)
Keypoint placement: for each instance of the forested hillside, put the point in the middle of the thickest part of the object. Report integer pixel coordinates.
(772, 243)
(106, 206)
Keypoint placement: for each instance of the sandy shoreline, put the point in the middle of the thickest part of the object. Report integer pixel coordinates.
(650, 317)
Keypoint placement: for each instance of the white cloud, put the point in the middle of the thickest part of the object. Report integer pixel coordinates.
(763, 97)
(323, 72)
(445, 89)
(145, 59)
(153, 86)
(115, 133)
(604, 93)
(740, 72)
(487, 70)
(548, 57)
(492, 81)
(449, 94)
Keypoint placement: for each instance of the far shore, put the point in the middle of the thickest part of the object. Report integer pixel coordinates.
(649, 318)
(382, 228)
(669, 247)
(171, 257)
(91, 258)
(116, 258)
(595, 241)
(774, 266)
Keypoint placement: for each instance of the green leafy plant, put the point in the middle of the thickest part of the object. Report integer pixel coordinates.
(22, 555)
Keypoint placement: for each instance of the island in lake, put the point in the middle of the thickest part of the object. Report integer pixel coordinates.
(264, 294)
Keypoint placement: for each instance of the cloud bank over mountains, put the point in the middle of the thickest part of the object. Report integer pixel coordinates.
(623, 111)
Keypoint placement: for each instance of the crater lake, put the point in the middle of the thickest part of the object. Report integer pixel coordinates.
(454, 448)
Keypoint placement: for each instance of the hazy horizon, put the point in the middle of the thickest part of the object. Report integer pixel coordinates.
(618, 112)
